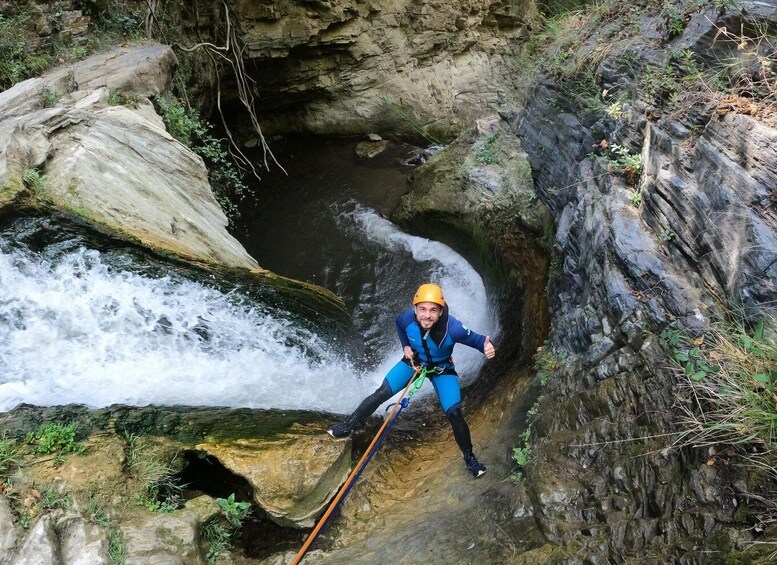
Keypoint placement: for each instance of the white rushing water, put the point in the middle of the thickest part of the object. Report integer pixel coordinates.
(76, 330)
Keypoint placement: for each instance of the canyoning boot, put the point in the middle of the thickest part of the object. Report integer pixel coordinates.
(342, 429)
(360, 415)
(475, 467)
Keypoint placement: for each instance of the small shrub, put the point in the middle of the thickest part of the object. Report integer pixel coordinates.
(49, 98)
(56, 438)
(674, 20)
(187, 127)
(235, 512)
(16, 63)
(636, 199)
(485, 149)
(623, 162)
(548, 362)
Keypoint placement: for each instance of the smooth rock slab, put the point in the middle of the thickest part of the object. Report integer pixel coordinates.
(293, 477)
(40, 546)
(83, 543)
(7, 530)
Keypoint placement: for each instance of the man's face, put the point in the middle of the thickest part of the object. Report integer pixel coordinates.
(427, 314)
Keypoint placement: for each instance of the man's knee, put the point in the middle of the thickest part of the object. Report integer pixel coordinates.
(382, 393)
(454, 412)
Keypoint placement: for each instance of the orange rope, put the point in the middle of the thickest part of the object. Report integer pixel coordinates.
(332, 505)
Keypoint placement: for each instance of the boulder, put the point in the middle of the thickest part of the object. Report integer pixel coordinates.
(166, 538)
(82, 543)
(8, 532)
(117, 169)
(293, 476)
(370, 149)
(40, 547)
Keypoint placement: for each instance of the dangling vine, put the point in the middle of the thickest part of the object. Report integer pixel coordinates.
(231, 53)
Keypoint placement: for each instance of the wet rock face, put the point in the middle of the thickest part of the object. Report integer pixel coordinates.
(477, 195)
(336, 67)
(700, 237)
(292, 478)
(83, 144)
(284, 462)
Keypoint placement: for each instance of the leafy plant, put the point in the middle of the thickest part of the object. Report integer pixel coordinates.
(235, 512)
(522, 453)
(674, 19)
(33, 179)
(56, 438)
(636, 198)
(627, 164)
(187, 127)
(485, 149)
(221, 531)
(548, 362)
(49, 97)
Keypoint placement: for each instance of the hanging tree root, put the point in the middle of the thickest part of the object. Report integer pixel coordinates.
(230, 53)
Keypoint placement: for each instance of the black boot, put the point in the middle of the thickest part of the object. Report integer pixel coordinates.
(360, 415)
(463, 440)
(475, 467)
(343, 429)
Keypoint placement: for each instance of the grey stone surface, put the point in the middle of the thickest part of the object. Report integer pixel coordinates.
(40, 546)
(8, 530)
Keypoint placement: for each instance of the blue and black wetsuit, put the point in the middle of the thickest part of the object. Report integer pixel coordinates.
(433, 349)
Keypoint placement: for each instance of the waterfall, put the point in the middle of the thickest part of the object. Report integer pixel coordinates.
(77, 326)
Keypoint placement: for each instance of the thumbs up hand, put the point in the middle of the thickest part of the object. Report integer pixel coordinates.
(489, 349)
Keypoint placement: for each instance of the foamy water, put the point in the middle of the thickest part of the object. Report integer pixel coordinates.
(75, 329)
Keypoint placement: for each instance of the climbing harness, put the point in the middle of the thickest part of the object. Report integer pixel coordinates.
(416, 381)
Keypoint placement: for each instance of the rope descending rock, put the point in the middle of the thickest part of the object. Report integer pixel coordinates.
(404, 400)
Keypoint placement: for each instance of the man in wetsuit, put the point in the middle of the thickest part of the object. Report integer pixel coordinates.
(427, 333)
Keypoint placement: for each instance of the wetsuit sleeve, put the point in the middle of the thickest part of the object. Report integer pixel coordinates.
(403, 320)
(462, 334)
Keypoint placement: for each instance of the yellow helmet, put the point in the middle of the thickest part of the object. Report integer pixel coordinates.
(429, 293)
